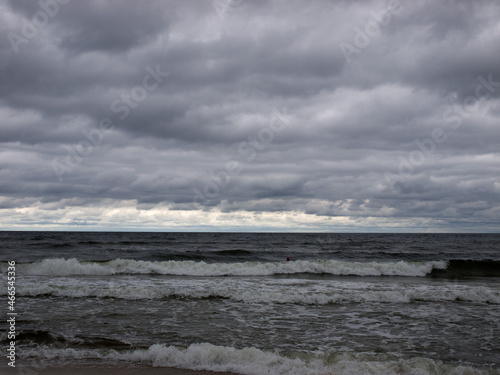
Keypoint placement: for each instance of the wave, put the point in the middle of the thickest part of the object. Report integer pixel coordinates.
(68, 267)
(234, 252)
(258, 291)
(253, 361)
(57, 340)
(458, 268)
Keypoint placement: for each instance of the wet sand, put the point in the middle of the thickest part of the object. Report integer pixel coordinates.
(97, 370)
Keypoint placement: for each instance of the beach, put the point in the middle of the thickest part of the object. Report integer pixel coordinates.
(103, 370)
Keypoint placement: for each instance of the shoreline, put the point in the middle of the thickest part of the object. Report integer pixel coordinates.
(110, 370)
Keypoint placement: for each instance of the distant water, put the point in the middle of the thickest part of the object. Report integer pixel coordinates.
(345, 303)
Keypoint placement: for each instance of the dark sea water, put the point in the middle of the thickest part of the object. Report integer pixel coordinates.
(344, 304)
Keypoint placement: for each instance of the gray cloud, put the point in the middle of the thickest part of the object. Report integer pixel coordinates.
(404, 135)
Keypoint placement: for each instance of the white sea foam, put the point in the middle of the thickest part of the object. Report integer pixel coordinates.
(311, 292)
(253, 361)
(65, 267)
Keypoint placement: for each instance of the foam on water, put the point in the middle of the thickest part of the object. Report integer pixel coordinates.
(253, 361)
(310, 292)
(65, 267)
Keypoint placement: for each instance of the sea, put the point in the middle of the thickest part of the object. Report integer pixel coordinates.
(341, 304)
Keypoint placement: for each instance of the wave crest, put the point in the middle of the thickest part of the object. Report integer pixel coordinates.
(253, 361)
(68, 267)
(316, 293)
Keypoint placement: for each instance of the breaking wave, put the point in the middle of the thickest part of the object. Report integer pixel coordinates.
(68, 267)
(253, 361)
(477, 295)
(305, 292)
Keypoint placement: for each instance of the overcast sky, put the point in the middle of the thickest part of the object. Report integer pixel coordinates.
(239, 115)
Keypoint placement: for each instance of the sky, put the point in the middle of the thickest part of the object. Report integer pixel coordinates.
(240, 115)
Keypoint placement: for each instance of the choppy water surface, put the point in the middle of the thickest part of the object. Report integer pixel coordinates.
(344, 304)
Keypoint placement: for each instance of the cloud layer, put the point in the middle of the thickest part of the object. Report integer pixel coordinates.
(243, 115)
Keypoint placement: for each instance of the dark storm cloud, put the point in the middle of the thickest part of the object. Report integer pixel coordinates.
(95, 25)
(192, 90)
